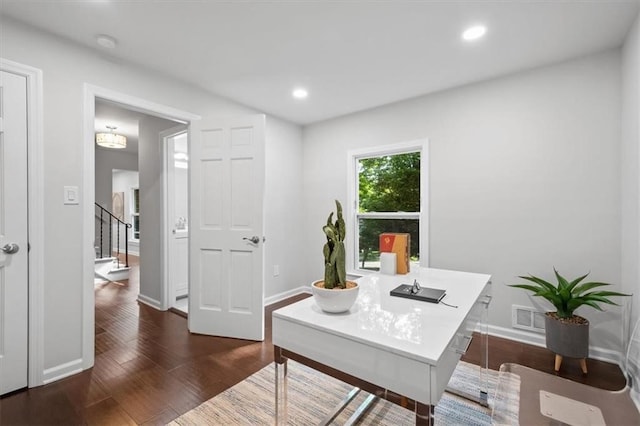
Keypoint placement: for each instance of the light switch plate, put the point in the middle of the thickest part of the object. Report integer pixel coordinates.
(71, 195)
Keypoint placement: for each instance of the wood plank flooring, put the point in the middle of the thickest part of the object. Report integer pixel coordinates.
(149, 369)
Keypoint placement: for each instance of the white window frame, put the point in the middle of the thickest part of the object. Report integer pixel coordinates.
(353, 240)
(132, 213)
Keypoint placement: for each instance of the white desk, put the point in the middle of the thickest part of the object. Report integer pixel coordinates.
(405, 346)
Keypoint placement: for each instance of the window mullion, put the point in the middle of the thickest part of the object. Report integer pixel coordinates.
(388, 215)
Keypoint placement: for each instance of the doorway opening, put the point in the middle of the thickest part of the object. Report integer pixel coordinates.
(126, 195)
(143, 154)
(175, 146)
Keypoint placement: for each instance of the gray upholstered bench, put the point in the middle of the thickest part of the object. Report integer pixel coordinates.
(530, 397)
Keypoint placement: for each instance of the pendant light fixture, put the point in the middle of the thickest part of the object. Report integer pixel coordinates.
(111, 139)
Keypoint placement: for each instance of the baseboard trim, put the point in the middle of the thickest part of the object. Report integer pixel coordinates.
(286, 294)
(61, 371)
(535, 339)
(521, 336)
(156, 304)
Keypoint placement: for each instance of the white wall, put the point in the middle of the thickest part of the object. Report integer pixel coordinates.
(151, 206)
(106, 161)
(66, 68)
(284, 210)
(124, 181)
(630, 167)
(524, 176)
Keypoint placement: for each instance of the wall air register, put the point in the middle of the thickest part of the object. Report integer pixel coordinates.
(527, 318)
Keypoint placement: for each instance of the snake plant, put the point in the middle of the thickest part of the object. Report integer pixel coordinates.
(335, 272)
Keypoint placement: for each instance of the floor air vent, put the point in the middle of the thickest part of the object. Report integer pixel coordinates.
(527, 318)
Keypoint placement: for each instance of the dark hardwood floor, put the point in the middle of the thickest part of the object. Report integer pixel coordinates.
(149, 369)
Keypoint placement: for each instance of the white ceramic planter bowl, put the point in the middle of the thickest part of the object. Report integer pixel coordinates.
(335, 301)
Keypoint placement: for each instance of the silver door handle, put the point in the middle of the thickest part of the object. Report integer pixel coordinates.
(255, 239)
(10, 248)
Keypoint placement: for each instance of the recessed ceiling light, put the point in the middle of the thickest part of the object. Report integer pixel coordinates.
(106, 41)
(474, 33)
(300, 93)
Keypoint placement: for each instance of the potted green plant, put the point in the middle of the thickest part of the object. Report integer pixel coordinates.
(335, 293)
(567, 334)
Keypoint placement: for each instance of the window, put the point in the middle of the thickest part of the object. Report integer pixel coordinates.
(389, 196)
(135, 213)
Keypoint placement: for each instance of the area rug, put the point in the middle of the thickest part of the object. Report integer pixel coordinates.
(312, 395)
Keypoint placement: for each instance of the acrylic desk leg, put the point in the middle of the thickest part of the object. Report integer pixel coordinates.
(424, 414)
(484, 362)
(281, 392)
(482, 395)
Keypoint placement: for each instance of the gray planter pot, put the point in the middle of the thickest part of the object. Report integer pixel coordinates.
(567, 338)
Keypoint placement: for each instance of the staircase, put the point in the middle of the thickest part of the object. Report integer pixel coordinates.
(109, 269)
(108, 263)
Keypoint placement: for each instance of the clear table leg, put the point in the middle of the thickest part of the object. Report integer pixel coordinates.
(484, 362)
(424, 414)
(281, 392)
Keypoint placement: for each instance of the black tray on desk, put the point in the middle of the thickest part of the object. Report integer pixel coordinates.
(432, 295)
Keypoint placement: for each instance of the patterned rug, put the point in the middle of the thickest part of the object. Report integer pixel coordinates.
(312, 395)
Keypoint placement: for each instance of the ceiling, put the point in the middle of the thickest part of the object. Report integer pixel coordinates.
(349, 55)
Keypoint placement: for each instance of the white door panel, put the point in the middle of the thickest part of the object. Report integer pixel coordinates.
(227, 190)
(180, 260)
(176, 150)
(13, 229)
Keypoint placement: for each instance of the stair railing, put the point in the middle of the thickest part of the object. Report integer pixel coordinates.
(107, 218)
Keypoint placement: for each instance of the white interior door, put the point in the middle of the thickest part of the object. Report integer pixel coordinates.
(13, 232)
(177, 212)
(180, 259)
(226, 170)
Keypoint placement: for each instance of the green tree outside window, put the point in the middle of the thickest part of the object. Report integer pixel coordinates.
(387, 184)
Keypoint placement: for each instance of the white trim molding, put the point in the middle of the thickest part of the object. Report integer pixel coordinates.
(88, 231)
(61, 371)
(536, 339)
(168, 292)
(35, 165)
(156, 304)
(286, 294)
(418, 145)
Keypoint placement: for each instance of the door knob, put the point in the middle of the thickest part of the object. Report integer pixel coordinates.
(255, 239)
(10, 248)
